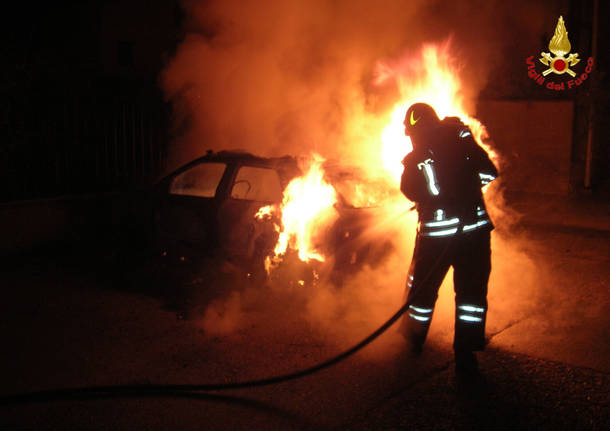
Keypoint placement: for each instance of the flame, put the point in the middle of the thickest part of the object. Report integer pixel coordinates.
(560, 44)
(308, 204)
(430, 78)
(306, 210)
(266, 212)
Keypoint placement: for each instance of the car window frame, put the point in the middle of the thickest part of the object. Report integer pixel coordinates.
(172, 178)
(236, 169)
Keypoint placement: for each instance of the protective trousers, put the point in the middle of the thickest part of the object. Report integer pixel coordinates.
(470, 255)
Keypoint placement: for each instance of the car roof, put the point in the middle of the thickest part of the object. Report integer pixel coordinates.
(287, 166)
(246, 158)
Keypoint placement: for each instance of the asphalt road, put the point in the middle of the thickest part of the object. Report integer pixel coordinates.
(69, 321)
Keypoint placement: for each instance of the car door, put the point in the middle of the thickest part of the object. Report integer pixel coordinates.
(240, 234)
(188, 204)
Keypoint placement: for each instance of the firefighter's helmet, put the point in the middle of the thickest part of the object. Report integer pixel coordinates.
(420, 116)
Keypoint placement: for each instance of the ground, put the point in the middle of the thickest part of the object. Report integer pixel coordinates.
(69, 322)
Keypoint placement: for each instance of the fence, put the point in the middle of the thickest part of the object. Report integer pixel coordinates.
(82, 144)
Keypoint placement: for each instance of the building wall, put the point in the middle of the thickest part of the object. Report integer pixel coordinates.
(533, 140)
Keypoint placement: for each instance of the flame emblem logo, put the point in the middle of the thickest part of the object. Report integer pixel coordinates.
(560, 46)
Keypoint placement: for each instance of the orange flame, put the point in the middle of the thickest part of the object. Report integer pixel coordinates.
(308, 204)
(432, 79)
(265, 213)
(306, 210)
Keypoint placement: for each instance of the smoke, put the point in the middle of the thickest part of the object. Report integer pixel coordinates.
(338, 316)
(295, 77)
(224, 316)
(281, 77)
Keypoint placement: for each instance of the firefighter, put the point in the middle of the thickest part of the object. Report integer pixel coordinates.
(443, 176)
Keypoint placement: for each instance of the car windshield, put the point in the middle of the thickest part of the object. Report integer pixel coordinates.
(201, 180)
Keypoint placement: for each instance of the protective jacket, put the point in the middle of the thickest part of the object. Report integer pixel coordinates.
(444, 178)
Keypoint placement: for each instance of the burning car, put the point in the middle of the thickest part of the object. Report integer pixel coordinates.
(208, 209)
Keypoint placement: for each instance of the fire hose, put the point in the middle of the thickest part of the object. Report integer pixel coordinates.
(169, 390)
(93, 392)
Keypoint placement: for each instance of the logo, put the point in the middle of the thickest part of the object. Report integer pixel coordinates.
(560, 46)
(412, 120)
(559, 64)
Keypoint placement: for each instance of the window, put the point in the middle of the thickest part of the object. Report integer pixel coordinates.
(201, 180)
(257, 184)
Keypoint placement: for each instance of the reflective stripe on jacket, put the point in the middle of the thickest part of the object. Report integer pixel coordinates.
(442, 225)
(444, 176)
